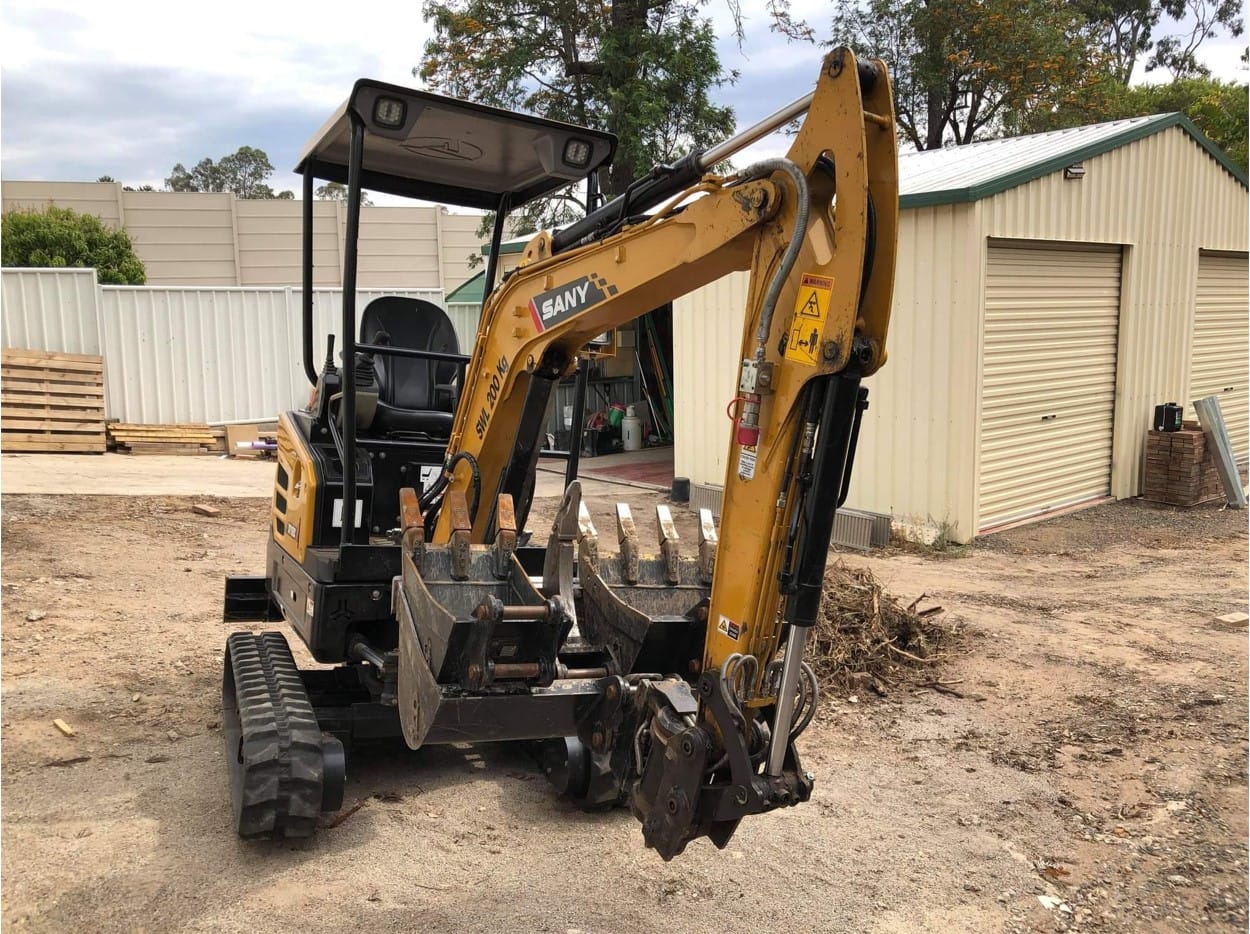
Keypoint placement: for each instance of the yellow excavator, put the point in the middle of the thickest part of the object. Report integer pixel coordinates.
(670, 681)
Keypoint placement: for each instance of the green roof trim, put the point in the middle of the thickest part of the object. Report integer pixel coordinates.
(1021, 176)
(509, 246)
(469, 292)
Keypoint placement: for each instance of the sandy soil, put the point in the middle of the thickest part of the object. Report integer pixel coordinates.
(1090, 748)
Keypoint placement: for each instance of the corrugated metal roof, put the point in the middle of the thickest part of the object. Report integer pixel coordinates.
(979, 170)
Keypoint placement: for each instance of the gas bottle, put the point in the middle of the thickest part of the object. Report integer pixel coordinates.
(631, 430)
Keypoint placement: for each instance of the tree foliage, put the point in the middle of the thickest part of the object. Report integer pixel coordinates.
(1128, 30)
(1218, 108)
(243, 172)
(337, 191)
(970, 69)
(642, 69)
(61, 237)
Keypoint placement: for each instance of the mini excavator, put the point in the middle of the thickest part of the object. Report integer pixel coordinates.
(670, 682)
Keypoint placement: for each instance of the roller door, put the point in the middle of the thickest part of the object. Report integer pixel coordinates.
(1221, 336)
(1048, 389)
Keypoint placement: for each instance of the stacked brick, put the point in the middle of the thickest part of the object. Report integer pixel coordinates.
(1179, 468)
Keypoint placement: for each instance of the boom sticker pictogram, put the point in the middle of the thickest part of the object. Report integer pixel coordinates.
(807, 328)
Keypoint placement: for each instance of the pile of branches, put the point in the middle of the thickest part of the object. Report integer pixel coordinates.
(865, 638)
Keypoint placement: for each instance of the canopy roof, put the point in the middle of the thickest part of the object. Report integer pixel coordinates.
(424, 145)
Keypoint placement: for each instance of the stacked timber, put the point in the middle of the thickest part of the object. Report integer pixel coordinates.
(161, 439)
(52, 402)
(1180, 470)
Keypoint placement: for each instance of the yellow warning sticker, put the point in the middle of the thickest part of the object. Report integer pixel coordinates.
(811, 310)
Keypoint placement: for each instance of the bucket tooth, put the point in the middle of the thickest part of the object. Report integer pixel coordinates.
(670, 549)
(461, 527)
(587, 537)
(505, 535)
(708, 540)
(627, 538)
(558, 565)
(412, 525)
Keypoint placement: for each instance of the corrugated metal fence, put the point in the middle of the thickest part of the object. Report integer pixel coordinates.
(182, 354)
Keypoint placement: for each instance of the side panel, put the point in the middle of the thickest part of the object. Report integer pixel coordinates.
(1221, 336)
(295, 492)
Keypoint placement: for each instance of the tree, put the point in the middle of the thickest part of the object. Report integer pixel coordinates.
(642, 69)
(1179, 53)
(243, 172)
(1219, 109)
(1126, 30)
(63, 238)
(965, 70)
(337, 191)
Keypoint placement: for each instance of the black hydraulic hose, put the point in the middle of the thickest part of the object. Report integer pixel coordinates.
(663, 182)
(476, 479)
(802, 210)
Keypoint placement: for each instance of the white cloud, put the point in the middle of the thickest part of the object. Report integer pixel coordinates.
(128, 88)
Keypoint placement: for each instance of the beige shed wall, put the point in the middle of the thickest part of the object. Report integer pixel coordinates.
(190, 238)
(1165, 199)
(916, 448)
(707, 347)
(916, 457)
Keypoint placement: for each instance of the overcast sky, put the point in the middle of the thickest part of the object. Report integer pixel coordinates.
(130, 87)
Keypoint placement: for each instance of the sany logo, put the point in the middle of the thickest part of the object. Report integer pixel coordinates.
(566, 300)
(571, 297)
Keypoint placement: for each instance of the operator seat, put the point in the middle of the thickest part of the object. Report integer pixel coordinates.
(415, 396)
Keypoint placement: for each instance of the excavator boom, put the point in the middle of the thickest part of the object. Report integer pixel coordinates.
(817, 229)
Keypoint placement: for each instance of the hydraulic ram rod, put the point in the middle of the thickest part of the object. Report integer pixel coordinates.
(773, 121)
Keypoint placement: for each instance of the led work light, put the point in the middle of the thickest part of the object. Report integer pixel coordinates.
(577, 153)
(389, 112)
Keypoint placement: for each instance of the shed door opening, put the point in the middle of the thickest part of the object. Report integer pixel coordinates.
(1048, 388)
(1221, 336)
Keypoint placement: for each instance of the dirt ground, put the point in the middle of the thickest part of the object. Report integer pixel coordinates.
(1084, 766)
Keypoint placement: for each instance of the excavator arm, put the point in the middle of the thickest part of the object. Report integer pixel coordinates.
(817, 229)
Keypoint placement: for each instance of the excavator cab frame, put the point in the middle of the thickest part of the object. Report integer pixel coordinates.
(414, 144)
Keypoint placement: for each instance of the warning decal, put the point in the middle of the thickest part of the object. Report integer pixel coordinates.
(811, 310)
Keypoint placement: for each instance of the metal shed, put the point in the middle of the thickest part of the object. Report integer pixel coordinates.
(1051, 290)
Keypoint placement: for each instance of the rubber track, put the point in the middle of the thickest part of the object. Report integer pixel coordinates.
(274, 753)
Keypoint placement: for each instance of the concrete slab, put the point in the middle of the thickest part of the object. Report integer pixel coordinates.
(135, 475)
(175, 475)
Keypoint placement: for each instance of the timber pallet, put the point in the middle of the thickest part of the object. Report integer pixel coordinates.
(52, 402)
(161, 439)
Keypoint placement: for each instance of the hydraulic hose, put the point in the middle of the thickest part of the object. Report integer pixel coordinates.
(791, 255)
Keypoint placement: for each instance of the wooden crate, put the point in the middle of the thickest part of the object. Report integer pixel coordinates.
(52, 402)
(161, 439)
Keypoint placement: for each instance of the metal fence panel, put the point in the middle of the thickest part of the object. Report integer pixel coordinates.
(224, 354)
(50, 309)
(180, 354)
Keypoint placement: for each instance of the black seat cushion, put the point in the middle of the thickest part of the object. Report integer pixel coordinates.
(414, 395)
